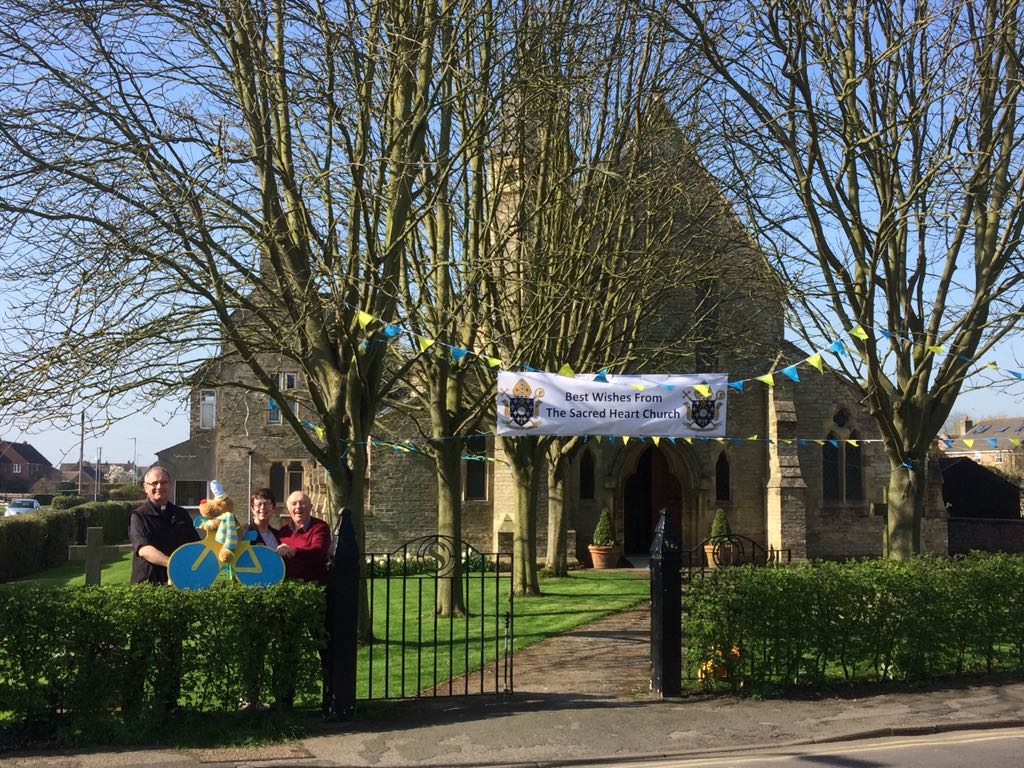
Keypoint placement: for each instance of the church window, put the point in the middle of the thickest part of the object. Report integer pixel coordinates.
(722, 478)
(587, 485)
(474, 471)
(208, 409)
(842, 469)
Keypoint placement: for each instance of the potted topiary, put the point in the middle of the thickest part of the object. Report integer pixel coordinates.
(717, 547)
(604, 551)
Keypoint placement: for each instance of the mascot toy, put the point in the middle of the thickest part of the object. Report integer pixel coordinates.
(218, 516)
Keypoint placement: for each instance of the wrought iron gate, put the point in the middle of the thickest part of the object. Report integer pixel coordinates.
(420, 647)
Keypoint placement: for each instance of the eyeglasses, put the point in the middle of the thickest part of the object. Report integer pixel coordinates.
(158, 482)
(263, 502)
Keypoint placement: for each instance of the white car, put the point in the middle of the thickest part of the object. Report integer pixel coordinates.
(20, 507)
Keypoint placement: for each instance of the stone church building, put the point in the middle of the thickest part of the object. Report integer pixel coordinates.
(813, 497)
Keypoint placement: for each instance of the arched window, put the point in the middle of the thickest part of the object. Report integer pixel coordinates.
(586, 476)
(842, 466)
(854, 475)
(722, 478)
(831, 483)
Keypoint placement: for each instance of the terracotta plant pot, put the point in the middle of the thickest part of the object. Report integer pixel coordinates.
(724, 555)
(605, 557)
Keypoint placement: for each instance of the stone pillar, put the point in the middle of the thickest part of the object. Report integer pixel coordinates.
(786, 492)
(935, 523)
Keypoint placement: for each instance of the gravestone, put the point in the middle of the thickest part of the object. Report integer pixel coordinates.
(94, 554)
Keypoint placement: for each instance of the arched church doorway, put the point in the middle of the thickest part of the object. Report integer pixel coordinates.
(651, 487)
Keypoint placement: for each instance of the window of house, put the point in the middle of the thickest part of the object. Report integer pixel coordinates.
(188, 493)
(276, 479)
(15, 469)
(285, 380)
(208, 409)
(722, 478)
(842, 469)
(474, 471)
(295, 476)
(587, 484)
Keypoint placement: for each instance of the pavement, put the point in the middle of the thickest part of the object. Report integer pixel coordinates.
(584, 698)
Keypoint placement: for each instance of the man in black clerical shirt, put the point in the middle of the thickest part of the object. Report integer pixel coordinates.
(157, 528)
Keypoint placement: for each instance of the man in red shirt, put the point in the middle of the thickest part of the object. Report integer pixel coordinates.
(305, 542)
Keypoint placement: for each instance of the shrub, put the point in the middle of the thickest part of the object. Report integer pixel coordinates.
(604, 534)
(124, 650)
(871, 621)
(720, 524)
(35, 542)
(67, 502)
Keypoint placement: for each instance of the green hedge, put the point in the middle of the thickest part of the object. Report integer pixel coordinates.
(39, 540)
(860, 621)
(78, 653)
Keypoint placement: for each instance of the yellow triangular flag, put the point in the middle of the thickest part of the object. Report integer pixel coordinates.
(566, 370)
(689, 440)
(752, 437)
(854, 443)
(625, 439)
(787, 442)
(425, 343)
(319, 432)
(655, 439)
(819, 442)
(364, 319)
(719, 439)
(935, 349)
(493, 362)
(702, 389)
(638, 387)
(992, 364)
(859, 333)
(768, 379)
(598, 438)
(815, 362)
(1015, 441)
(969, 443)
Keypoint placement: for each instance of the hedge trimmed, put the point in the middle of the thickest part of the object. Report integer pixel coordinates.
(39, 540)
(78, 653)
(873, 621)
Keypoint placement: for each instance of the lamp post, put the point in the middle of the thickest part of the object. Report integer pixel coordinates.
(135, 458)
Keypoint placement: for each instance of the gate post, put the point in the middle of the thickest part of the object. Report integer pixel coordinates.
(342, 624)
(666, 610)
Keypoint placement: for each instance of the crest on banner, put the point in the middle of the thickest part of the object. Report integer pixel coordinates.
(703, 414)
(521, 406)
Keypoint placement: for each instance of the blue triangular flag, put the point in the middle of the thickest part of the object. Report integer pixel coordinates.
(737, 385)
(837, 347)
(602, 376)
(835, 443)
(391, 330)
(993, 442)
(791, 373)
(458, 354)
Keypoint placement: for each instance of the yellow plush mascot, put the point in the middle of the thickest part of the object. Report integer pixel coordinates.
(218, 515)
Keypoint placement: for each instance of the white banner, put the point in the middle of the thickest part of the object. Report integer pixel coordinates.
(663, 405)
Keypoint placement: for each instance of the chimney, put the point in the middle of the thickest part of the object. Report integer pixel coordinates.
(966, 425)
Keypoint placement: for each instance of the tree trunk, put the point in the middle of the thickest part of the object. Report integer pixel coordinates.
(449, 526)
(905, 506)
(346, 488)
(556, 560)
(523, 454)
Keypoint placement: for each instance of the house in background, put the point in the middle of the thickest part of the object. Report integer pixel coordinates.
(22, 466)
(985, 441)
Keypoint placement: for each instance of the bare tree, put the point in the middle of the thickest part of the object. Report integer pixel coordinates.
(877, 150)
(186, 178)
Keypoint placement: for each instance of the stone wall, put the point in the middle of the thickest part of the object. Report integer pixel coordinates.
(986, 535)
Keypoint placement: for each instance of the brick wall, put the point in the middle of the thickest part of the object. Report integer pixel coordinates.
(986, 535)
